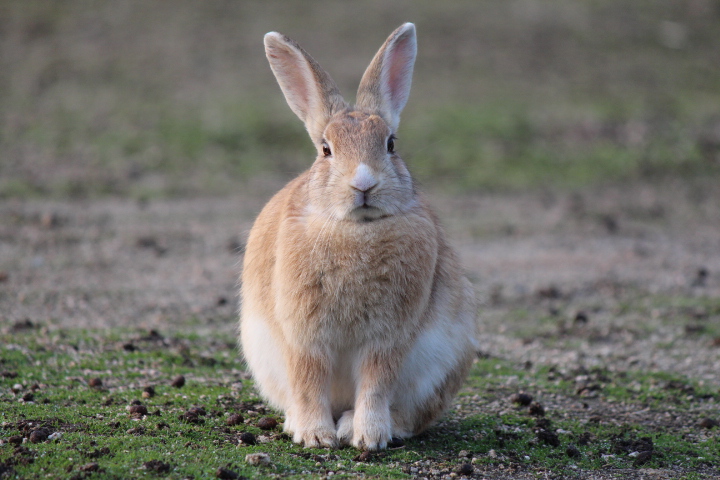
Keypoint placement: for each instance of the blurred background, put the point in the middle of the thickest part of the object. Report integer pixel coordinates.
(147, 99)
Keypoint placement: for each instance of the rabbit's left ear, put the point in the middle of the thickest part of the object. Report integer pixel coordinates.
(385, 86)
(308, 89)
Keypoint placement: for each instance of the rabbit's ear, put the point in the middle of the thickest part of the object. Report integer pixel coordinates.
(308, 89)
(385, 86)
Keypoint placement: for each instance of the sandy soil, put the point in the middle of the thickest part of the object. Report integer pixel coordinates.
(175, 263)
(622, 278)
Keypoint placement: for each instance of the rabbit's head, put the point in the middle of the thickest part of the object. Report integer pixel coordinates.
(357, 175)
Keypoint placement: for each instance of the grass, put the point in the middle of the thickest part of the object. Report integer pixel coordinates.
(56, 367)
(558, 95)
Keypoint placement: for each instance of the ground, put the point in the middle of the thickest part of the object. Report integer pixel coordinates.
(602, 304)
(572, 150)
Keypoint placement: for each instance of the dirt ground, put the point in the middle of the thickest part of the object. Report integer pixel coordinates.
(625, 277)
(169, 264)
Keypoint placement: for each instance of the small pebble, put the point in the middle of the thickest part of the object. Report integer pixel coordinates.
(234, 419)
(463, 454)
(258, 458)
(247, 438)
(178, 382)
(55, 436)
(267, 423)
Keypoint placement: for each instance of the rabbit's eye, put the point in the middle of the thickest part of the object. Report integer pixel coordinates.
(391, 144)
(326, 149)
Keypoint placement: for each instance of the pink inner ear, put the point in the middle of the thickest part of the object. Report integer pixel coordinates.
(291, 78)
(399, 63)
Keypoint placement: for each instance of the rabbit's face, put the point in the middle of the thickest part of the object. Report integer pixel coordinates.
(357, 175)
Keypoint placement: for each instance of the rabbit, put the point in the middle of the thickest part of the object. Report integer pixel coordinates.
(355, 321)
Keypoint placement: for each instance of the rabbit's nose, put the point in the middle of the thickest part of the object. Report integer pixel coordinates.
(363, 180)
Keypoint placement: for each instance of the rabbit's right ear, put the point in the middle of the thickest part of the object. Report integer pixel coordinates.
(385, 86)
(308, 89)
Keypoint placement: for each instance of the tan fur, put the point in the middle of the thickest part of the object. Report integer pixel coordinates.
(337, 293)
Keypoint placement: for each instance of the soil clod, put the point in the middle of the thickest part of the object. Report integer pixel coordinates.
(137, 410)
(363, 457)
(178, 382)
(548, 437)
(267, 423)
(197, 410)
(157, 466)
(191, 417)
(148, 392)
(38, 436)
(225, 474)
(234, 419)
(643, 458)
(581, 318)
(521, 398)
(90, 467)
(247, 438)
(536, 410)
(709, 423)
(572, 451)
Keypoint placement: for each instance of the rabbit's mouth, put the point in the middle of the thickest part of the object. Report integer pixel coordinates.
(367, 213)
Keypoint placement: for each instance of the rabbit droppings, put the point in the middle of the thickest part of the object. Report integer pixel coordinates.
(356, 320)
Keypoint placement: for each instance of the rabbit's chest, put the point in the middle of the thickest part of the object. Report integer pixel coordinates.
(358, 289)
